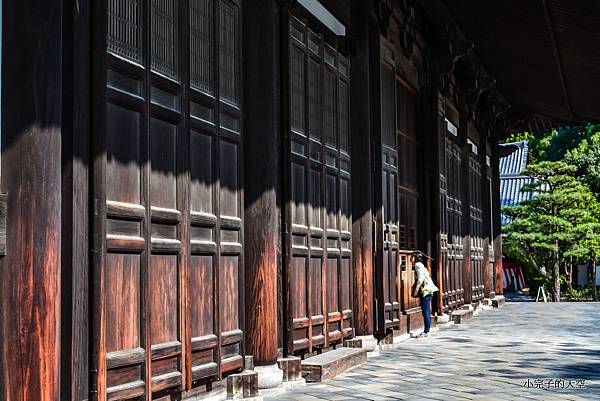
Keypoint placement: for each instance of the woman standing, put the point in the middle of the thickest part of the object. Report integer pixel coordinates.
(424, 287)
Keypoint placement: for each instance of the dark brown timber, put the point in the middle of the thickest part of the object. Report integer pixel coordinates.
(31, 176)
(261, 176)
(362, 189)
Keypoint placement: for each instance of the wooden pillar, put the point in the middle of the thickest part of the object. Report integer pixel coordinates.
(439, 142)
(75, 201)
(486, 202)
(30, 300)
(261, 175)
(432, 164)
(497, 229)
(466, 203)
(376, 166)
(362, 172)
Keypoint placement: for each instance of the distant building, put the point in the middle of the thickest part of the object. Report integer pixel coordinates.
(514, 158)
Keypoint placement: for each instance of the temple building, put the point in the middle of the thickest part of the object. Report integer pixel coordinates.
(202, 194)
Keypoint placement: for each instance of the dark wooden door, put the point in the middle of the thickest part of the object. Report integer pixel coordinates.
(318, 213)
(452, 245)
(168, 197)
(392, 290)
(408, 194)
(399, 192)
(477, 227)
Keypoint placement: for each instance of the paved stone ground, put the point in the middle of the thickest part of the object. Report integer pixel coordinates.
(494, 356)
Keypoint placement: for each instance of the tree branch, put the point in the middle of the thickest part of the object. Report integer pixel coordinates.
(542, 271)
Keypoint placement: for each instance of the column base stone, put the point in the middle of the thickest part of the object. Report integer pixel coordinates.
(269, 377)
(443, 318)
(294, 383)
(369, 343)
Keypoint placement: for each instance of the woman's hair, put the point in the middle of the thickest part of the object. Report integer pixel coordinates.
(418, 256)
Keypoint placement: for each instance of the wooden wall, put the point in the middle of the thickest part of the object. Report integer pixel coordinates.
(156, 257)
(30, 299)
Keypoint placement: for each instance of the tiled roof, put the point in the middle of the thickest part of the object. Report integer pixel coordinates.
(511, 180)
(516, 161)
(510, 192)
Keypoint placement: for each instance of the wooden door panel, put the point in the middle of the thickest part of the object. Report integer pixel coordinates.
(172, 272)
(202, 176)
(454, 217)
(123, 306)
(476, 229)
(203, 337)
(410, 304)
(315, 283)
(390, 205)
(163, 156)
(123, 182)
(164, 305)
(334, 315)
(399, 149)
(319, 217)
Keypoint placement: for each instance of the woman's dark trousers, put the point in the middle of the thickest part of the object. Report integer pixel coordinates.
(426, 309)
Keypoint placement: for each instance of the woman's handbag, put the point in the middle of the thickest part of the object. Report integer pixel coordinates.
(428, 287)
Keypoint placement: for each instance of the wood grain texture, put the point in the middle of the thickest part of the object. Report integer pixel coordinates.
(261, 210)
(30, 291)
(30, 299)
(319, 208)
(3, 210)
(496, 224)
(330, 364)
(362, 188)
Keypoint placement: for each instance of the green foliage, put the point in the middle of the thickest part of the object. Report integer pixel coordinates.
(581, 294)
(554, 145)
(538, 143)
(561, 220)
(586, 157)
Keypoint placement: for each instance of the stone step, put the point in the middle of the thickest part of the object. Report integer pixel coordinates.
(498, 301)
(368, 343)
(461, 316)
(243, 385)
(330, 364)
(291, 368)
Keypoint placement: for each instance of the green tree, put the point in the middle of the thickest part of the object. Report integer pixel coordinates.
(546, 227)
(586, 157)
(553, 145)
(586, 242)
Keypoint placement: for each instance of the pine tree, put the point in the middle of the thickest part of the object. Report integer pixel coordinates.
(553, 223)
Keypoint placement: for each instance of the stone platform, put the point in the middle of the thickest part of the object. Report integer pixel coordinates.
(494, 357)
(330, 364)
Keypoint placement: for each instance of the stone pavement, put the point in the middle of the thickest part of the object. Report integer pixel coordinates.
(503, 354)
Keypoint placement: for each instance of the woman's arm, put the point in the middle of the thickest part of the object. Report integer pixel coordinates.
(419, 279)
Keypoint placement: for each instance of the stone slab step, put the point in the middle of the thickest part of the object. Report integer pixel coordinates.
(461, 316)
(330, 364)
(498, 301)
(291, 368)
(243, 385)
